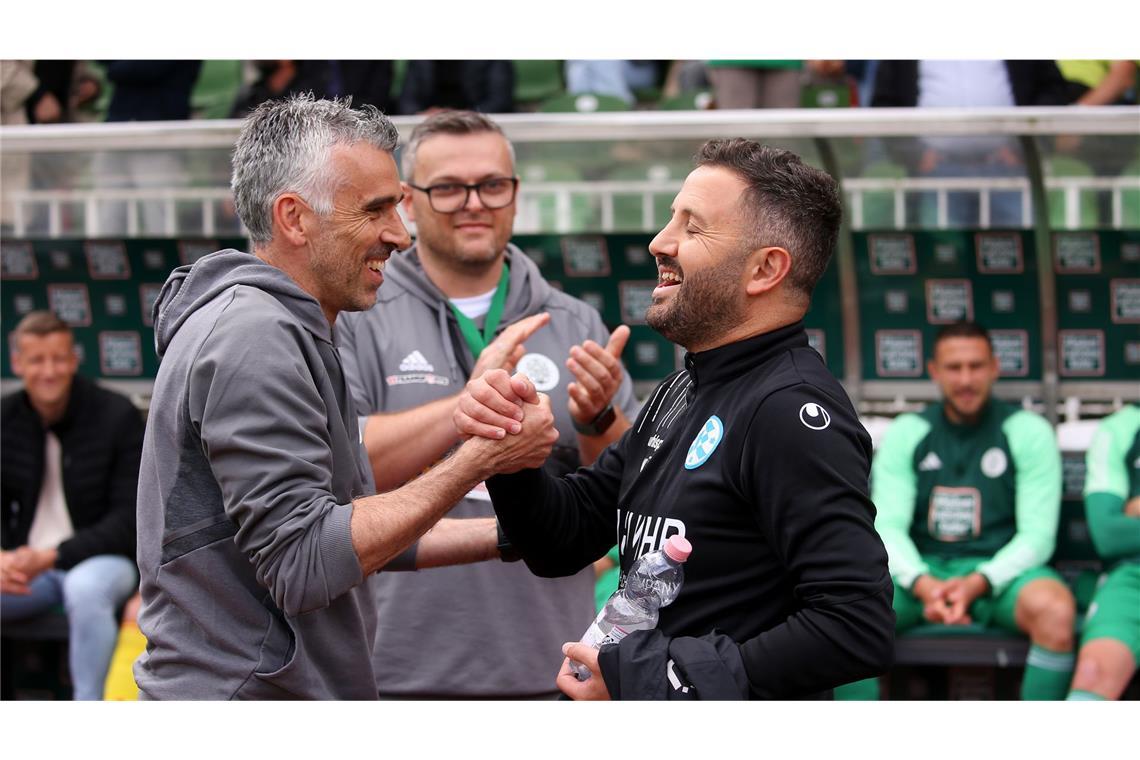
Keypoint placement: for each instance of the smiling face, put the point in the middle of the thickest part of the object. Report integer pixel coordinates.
(701, 259)
(474, 237)
(351, 244)
(965, 369)
(47, 364)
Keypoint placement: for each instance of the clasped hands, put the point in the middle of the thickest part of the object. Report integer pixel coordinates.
(948, 601)
(509, 411)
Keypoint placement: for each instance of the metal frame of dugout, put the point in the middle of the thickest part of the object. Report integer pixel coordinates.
(568, 166)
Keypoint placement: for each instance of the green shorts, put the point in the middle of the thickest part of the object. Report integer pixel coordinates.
(986, 610)
(1115, 609)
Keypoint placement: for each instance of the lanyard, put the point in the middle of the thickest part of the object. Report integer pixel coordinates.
(477, 340)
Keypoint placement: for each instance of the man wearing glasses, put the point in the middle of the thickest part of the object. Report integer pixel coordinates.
(462, 301)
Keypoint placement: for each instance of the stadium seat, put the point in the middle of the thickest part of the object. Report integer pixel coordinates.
(543, 210)
(585, 102)
(879, 205)
(1070, 166)
(693, 100)
(536, 81)
(628, 207)
(217, 87)
(1130, 200)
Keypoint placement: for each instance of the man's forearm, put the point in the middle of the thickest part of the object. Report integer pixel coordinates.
(402, 444)
(458, 542)
(385, 525)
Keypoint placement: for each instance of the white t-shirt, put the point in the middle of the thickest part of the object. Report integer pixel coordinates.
(474, 307)
(51, 525)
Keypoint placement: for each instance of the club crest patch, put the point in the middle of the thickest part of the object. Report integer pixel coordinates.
(541, 370)
(994, 462)
(705, 443)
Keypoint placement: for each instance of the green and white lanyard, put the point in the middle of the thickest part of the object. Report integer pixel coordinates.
(477, 340)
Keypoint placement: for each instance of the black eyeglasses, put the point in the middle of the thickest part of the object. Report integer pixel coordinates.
(449, 197)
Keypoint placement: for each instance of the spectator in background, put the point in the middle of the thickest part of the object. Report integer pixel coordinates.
(437, 327)
(17, 84)
(51, 102)
(366, 82)
(969, 84)
(151, 90)
(969, 495)
(484, 86)
(756, 84)
(70, 462)
(1110, 641)
(144, 91)
(614, 78)
(1100, 83)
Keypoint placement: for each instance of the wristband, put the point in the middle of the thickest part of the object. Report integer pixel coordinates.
(599, 424)
(507, 551)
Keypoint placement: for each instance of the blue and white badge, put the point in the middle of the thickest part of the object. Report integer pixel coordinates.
(705, 443)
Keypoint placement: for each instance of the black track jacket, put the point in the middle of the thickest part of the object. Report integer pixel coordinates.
(756, 455)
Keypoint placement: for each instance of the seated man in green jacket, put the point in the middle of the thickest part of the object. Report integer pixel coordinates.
(968, 494)
(1110, 641)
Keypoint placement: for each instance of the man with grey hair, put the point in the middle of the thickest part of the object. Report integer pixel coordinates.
(255, 533)
(462, 301)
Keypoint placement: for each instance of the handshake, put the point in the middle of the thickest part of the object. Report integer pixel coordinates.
(507, 420)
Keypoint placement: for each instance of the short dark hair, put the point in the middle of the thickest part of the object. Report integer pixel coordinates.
(963, 329)
(40, 323)
(450, 122)
(789, 204)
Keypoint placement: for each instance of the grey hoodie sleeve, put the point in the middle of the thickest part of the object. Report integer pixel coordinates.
(264, 428)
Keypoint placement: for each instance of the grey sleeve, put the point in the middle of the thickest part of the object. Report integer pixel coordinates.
(263, 426)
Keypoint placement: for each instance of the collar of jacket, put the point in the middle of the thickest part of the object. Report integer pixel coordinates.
(726, 362)
(77, 399)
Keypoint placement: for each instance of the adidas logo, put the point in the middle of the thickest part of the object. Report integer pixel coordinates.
(415, 362)
(930, 462)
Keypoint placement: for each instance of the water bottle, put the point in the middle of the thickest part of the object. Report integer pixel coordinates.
(652, 582)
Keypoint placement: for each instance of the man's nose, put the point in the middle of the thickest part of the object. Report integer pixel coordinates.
(472, 202)
(396, 235)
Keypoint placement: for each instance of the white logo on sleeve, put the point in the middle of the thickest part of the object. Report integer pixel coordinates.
(415, 362)
(814, 416)
(930, 462)
(994, 462)
(540, 369)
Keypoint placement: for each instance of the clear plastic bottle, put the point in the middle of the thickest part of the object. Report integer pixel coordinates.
(652, 582)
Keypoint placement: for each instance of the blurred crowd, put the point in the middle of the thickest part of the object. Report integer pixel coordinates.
(55, 91)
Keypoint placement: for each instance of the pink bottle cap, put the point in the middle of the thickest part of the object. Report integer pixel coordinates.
(678, 548)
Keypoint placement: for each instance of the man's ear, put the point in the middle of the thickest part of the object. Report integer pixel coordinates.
(407, 202)
(767, 268)
(288, 219)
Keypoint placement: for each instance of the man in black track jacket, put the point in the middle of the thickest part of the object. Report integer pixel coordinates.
(70, 467)
(753, 452)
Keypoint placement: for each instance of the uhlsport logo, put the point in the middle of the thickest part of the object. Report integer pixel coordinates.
(814, 416)
(705, 443)
(541, 370)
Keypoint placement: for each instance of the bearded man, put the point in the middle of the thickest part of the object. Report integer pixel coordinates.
(753, 452)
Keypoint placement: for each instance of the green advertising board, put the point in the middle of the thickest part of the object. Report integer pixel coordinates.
(1097, 274)
(103, 288)
(910, 284)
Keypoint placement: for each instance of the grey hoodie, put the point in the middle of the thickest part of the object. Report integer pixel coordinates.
(489, 629)
(251, 588)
